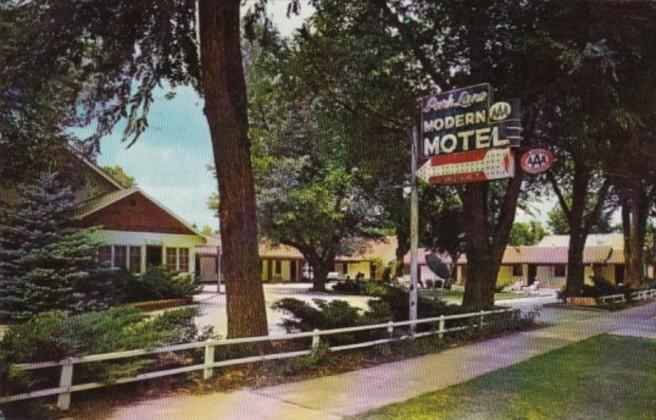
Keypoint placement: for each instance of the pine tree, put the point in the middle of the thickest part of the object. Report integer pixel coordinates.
(45, 263)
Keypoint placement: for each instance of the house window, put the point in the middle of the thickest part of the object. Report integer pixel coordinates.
(184, 260)
(135, 259)
(105, 256)
(172, 259)
(278, 267)
(559, 270)
(132, 203)
(518, 270)
(120, 257)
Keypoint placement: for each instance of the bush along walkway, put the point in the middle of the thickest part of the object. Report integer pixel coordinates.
(352, 393)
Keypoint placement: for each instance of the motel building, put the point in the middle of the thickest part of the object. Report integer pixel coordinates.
(545, 262)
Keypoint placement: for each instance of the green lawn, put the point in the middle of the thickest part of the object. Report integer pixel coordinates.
(455, 296)
(606, 377)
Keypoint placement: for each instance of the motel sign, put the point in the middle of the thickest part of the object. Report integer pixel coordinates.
(466, 119)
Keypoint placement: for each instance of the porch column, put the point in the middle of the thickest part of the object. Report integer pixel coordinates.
(143, 258)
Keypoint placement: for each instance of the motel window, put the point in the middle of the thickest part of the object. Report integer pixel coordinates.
(559, 270)
(172, 259)
(518, 270)
(105, 256)
(120, 257)
(184, 260)
(278, 267)
(135, 259)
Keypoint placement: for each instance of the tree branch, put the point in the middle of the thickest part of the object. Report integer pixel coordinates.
(596, 212)
(408, 31)
(559, 193)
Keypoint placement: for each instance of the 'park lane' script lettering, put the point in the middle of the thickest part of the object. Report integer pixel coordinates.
(465, 100)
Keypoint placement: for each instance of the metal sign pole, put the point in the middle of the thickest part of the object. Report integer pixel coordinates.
(414, 231)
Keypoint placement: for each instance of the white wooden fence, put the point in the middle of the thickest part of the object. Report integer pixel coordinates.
(66, 386)
(620, 297)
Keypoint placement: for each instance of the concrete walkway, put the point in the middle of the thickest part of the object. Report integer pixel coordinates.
(352, 393)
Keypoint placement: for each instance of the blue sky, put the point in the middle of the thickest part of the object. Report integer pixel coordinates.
(170, 158)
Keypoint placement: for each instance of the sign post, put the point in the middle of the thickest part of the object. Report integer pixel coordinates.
(414, 231)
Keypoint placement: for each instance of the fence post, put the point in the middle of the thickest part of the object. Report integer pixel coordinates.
(441, 328)
(65, 381)
(316, 342)
(208, 372)
(390, 329)
(480, 325)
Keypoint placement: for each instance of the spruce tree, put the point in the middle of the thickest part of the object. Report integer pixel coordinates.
(45, 262)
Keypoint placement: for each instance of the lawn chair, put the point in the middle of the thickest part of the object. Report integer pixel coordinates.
(533, 289)
(517, 287)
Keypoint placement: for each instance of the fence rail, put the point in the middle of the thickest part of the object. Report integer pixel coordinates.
(66, 386)
(621, 297)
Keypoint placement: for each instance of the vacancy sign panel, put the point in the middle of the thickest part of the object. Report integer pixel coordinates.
(464, 168)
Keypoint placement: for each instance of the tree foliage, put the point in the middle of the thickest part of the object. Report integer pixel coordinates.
(104, 60)
(46, 264)
(312, 194)
(526, 233)
(120, 176)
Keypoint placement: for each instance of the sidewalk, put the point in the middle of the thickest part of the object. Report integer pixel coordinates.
(352, 393)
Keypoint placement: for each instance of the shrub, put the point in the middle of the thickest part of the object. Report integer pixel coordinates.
(398, 300)
(57, 335)
(329, 315)
(156, 283)
(600, 287)
(351, 287)
(326, 315)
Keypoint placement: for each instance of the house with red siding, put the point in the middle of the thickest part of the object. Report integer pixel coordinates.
(136, 230)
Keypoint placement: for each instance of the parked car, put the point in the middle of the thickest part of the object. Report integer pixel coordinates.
(335, 276)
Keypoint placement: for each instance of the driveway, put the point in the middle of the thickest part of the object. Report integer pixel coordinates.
(213, 305)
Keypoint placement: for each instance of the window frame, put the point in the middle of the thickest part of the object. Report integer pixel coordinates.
(184, 258)
(175, 256)
(115, 257)
(105, 255)
(134, 263)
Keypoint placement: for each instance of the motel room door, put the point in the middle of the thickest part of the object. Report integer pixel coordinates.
(532, 273)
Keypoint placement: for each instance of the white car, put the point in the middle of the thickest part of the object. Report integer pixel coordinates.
(335, 276)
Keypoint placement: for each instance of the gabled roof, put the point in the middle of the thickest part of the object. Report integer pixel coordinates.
(106, 200)
(95, 168)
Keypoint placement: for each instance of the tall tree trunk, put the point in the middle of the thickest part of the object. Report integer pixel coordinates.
(486, 239)
(579, 222)
(321, 266)
(575, 267)
(226, 109)
(634, 223)
(577, 234)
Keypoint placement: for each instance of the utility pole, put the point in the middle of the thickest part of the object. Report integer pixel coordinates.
(414, 230)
